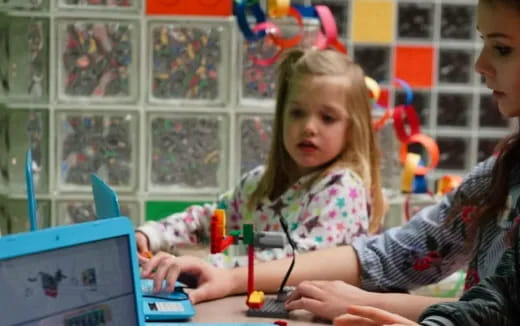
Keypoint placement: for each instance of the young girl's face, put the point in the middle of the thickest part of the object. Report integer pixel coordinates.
(499, 60)
(315, 121)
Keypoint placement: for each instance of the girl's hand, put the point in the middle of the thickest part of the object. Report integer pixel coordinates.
(213, 282)
(369, 316)
(326, 299)
(143, 247)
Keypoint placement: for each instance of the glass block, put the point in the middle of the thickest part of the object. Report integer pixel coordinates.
(28, 128)
(187, 153)
(4, 155)
(4, 223)
(340, 12)
(18, 214)
(98, 4)
(375, 61)
(454, 153)
(457, 22)
(489, 115)
(4, 55)
(454, 109)
(258, 82)
(98, 60)
(78, 211)
(27, 75)
(486, 147)
(100, 143)
(421, 102)
(189, 62)
(255, 141)
(455, 66)
(415, 20)
(390, 164)
(25, 4)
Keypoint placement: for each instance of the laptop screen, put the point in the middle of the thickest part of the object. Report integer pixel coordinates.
(86, 284)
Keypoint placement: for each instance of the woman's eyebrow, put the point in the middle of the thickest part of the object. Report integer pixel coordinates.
(497, 35)
(494, 34)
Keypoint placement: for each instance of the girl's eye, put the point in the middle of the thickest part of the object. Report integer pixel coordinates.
(296, 113)
(327, 118)
(503, 50)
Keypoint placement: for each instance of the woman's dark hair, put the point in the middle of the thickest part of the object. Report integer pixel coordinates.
(510, 3)
(490, 203)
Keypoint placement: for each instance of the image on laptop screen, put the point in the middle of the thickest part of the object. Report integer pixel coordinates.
(86, 284)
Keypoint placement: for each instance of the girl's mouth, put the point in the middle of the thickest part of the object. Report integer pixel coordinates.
(307, 146)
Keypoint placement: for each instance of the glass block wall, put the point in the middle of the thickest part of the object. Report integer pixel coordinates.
(170, 110)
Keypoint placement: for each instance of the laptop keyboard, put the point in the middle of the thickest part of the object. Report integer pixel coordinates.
(166, 306)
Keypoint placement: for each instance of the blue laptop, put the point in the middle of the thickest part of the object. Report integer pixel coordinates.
(157, 307)
(79, 274)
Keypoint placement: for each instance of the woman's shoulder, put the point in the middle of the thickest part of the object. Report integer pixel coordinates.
(479, 177)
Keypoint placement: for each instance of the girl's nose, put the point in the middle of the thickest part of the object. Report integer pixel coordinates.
(309, 127)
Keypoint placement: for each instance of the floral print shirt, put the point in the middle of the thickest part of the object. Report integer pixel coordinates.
(332, 212)
(496, 299)
(427, 248)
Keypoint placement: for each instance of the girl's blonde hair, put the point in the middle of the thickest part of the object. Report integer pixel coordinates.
(361, 152)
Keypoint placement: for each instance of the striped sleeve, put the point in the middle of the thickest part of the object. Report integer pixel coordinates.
(437, 321)
(424, 250)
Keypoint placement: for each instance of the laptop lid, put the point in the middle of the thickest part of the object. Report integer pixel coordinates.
(31, 198)
(166, 306)
(105, 199)
(80, 274)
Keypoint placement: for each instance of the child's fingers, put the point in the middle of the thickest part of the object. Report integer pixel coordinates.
(305, 303)
(142, 260)
(148, 265)
(172, 275)
(294, 295)
(353, 320)
(378, 315)
(202, 293)
(160, 272)
(142, 242)
(306, 290)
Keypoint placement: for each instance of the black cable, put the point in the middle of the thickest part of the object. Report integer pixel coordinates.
(281, 293)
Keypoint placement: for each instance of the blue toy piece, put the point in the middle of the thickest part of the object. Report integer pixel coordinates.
(420, 185)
